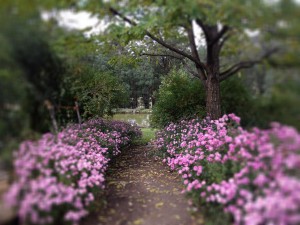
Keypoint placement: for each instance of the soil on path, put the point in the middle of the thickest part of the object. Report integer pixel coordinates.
(142, 191)
(6, 213)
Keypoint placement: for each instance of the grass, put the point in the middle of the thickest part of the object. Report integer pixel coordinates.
(148, 134)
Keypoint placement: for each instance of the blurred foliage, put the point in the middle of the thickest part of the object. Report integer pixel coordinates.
(281, 105)
(30, 73)
(40, 70)
(240, 101)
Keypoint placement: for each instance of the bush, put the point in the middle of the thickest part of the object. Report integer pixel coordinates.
(237, 99)
(251, 175)
(98, 92)
(181, 96)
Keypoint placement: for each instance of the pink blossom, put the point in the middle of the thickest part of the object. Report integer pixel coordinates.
(264, 190)
(61, 170)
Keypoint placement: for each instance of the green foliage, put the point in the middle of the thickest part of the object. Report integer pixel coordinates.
(99, 92)
(38, 62)
(237, 99)
(12, 88)
(142, 80)
(40, 70)
(275, 20)
(282, 105)
(214, 173)
(179, 97)
(12, 115)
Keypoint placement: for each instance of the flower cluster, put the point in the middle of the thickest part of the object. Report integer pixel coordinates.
(252, 174)
(58, 175)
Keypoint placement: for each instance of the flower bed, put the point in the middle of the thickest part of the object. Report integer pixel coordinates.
(252, 175)
(58, 175)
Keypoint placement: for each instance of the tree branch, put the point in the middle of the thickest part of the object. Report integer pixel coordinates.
(191, 36)
(193, 46)
(203, 27)
(191, 71)
(158, 40)
(220, 35)
(115, 12)
(225, 38)
(163, 55)
(245, 64)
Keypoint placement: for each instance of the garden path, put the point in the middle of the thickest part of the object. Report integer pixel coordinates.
(142, 191)
(6, 214)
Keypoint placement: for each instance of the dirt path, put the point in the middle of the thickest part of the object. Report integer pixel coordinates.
(142, 191)
(6, 214)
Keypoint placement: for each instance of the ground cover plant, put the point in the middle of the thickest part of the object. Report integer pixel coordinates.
(58, 176)
(251, 175)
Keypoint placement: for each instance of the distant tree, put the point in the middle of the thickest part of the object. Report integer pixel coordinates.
(99, 92)
(141, 75)
(141, 78)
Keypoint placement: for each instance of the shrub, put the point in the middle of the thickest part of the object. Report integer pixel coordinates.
(181, 97)
(237, 99)
(251, 175)
(99, 92)
(58, 176)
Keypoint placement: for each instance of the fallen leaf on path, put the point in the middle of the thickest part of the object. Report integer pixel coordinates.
(173, 205)
(177, 217)
(158, 205)
(138, 222)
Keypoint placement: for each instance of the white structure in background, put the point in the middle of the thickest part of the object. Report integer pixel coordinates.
(132, 122)
(150, 103)
(140, 104)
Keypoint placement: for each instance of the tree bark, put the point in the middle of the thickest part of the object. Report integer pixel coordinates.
(213, 98)
(212, 84)
(78, 114)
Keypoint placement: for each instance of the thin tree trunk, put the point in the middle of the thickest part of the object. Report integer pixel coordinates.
(213, 99)
(51, 110)
(54, 123)
(78, 114)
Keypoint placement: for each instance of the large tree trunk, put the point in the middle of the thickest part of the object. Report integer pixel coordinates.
(213, 99)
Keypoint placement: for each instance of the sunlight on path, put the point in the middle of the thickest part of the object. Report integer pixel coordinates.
(142, 191)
